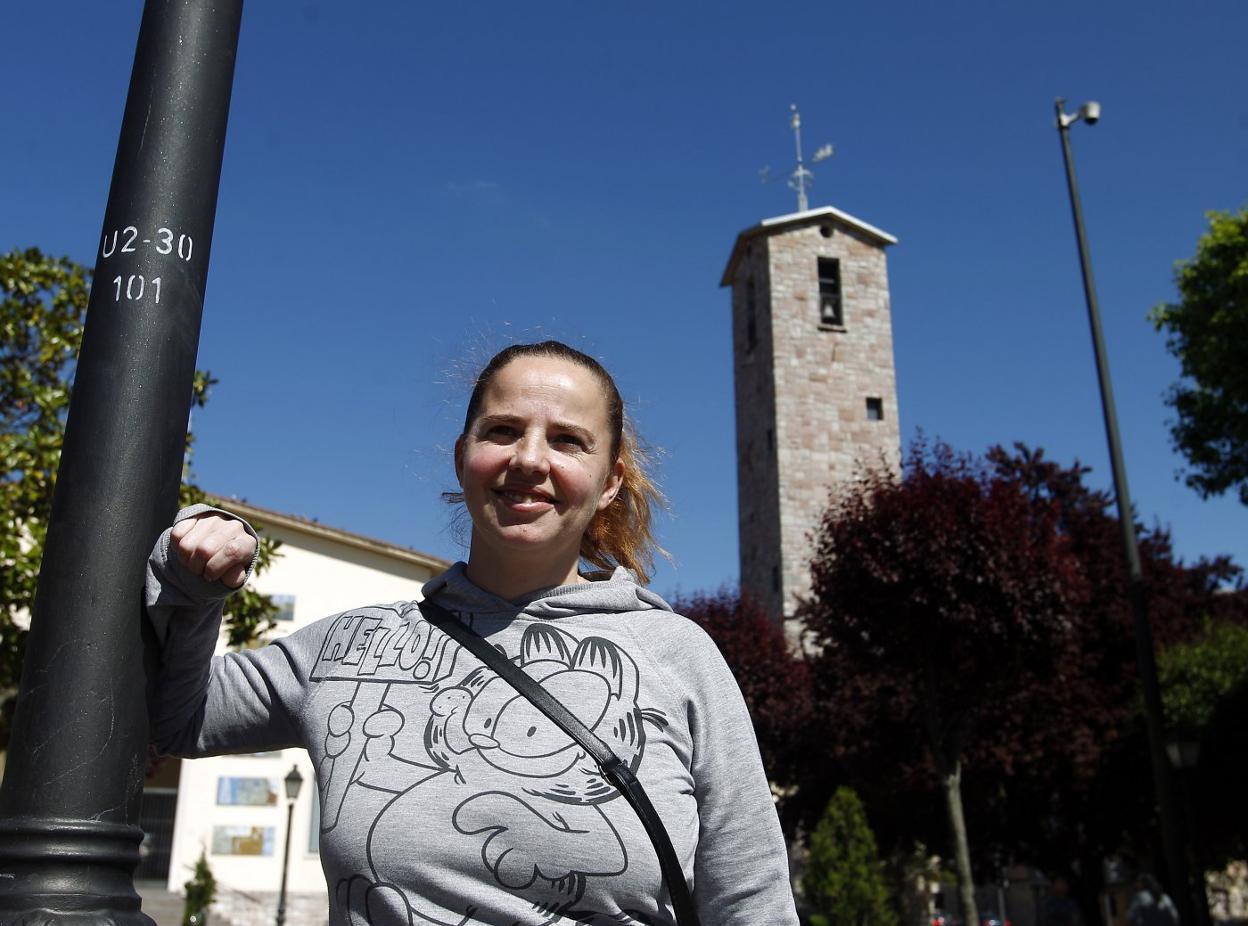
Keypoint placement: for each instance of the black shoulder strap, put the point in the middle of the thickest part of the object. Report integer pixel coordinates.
(613, 769)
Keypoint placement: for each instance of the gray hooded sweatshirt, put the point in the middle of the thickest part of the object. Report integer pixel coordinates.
(446, 798)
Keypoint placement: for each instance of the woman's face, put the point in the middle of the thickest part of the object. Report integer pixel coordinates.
(535, 465)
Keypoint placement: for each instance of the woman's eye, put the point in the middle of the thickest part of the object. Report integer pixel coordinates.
(570, 439)
(501, 431)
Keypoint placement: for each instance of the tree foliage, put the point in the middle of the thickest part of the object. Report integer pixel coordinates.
(43, 304)
(1198, 675)
(40, 333)
(1204, 688)
(1098, 794)
(774, 680)
(1055, 751)
(201, 891)
(1207, 330)
(844, 879)
(936, 599)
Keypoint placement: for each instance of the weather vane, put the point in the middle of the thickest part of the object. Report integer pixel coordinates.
(801, 177)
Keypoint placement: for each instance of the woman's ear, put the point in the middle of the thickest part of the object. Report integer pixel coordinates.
(615, 481)
(459, 460)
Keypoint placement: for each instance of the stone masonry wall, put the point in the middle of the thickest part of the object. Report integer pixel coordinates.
(758, 488)
(822, 377)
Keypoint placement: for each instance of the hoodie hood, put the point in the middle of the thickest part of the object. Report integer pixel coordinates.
(616, 592)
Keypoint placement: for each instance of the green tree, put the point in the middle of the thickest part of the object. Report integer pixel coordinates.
(43, 304)
(1207, 330)
(1197, 675)
(201, 891)
(844, 879)
(1204, 690)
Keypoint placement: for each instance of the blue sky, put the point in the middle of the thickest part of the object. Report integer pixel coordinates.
(408, 187)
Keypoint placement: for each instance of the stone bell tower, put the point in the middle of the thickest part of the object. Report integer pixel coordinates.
(816, 393)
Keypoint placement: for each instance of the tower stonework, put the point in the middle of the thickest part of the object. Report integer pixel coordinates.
(816, 392)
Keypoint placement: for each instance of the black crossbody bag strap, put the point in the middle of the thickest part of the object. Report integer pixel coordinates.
(613, 769)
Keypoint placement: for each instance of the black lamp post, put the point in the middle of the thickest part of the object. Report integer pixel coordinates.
(1145, 659)
(69, 804)
(293, 782)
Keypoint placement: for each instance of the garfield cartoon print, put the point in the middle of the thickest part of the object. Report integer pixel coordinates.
(466, 763)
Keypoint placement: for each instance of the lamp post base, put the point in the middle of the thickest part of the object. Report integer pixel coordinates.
(69, 873)
(99, 918)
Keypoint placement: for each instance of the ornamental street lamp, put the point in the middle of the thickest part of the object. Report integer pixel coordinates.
(1183, 749)
(293, 782)
(1145, 660)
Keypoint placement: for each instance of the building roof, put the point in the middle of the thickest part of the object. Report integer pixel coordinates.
(794, 220)
(313, 528)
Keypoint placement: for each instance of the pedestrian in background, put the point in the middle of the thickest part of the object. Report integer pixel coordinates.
(1151, 906)
(1060, 909)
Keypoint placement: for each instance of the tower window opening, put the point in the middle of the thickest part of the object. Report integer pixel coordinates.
(875, 408)
(830, 309)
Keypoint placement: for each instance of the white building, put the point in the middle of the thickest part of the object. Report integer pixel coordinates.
(235, 807)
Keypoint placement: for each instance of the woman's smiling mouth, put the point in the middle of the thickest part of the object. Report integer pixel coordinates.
(523, 497)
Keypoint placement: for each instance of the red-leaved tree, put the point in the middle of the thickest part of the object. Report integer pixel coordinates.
(1053, 746)
(936, 597)
(1094, 785)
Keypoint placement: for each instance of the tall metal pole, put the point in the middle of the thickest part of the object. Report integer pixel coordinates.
(281, 897)
(70, 800)
(1180, 884)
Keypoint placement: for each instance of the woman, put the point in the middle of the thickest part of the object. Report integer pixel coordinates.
(445, 797)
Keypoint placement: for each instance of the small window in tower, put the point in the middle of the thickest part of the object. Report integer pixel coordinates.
(875, 408)
(830, 312)
(775, 578)
(771, 440)
(751, 312)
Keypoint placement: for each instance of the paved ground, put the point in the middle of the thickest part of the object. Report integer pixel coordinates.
(234, 908)
(161, 905)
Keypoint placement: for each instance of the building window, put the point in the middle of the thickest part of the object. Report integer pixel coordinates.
(285, 607)
(775, 578)
(751, 315)
(830, 312)
(242, 840)
(255, 792)
(771, 441)
(875, 408)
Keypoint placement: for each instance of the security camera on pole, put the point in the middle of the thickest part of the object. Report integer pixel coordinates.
(1145, 659)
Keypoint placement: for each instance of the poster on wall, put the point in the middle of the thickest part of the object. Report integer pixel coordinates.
(252, 792)
(242, 840)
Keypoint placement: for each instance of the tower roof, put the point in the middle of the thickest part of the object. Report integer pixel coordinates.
(782, 223)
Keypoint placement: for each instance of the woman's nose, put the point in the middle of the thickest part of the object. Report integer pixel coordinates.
(530, 455)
